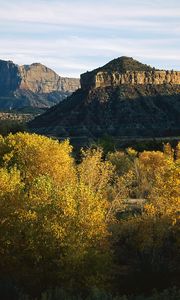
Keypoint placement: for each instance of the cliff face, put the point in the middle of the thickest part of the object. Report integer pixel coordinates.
(33, 86)
(40, 79)
(9, 77)
(105, 79)
(119, 101)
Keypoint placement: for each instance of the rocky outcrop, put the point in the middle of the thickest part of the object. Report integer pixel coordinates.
(105, 79)
(135, 103)
(32, 86)
(126, 70)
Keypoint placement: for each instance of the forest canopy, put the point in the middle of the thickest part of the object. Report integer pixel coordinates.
(79, 224)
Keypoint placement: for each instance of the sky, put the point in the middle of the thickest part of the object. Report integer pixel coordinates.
(73, 36)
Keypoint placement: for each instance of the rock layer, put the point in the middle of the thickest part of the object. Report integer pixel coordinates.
(126, 70)
(105, 79)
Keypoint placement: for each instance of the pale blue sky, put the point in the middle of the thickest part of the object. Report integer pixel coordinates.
(73, 36)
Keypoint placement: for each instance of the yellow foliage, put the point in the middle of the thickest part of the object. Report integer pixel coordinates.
(52, 212)
(165, 193)
(94, 172)
(121, 161)
(36, 155)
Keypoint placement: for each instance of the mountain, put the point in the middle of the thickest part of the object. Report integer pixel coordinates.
(124, 98)
(32, 87)
(123, 64)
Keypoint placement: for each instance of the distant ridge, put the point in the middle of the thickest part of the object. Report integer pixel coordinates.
(32, 86)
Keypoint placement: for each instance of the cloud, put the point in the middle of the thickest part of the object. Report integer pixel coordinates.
(72, 36)
(72, 54)
(86, 14)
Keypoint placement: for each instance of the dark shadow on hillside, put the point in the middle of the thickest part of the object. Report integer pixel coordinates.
(89, 115)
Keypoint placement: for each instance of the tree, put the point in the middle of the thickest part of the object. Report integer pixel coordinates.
(95, 172)
(149, 242)
(36, 155)
(52, 220)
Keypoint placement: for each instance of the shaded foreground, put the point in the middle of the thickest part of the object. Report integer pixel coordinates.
(106, 225)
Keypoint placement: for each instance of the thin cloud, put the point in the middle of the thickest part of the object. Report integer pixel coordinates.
(74, 36)
(67, 53)
(84, 14)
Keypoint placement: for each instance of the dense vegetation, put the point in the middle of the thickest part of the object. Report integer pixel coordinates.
(11, 126)
(123, 64)
(13, 122)
(73, 227)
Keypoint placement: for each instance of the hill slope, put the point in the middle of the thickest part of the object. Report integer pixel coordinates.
(117, 102)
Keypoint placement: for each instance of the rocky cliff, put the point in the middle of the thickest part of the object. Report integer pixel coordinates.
(125, 70)
(104, 79)
(33, 86)
(9, 77)
(40, 79)
(139, 102)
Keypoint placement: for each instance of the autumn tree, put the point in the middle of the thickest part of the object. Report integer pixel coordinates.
(52, 219)
(149, 241)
